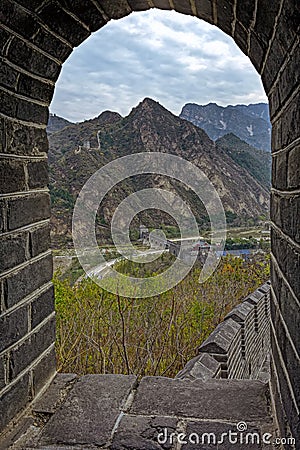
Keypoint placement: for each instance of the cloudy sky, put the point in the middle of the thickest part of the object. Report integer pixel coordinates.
(170, 57)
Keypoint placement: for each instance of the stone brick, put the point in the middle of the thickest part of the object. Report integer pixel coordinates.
(36, 89)
(265, 288)
(265, 19)
(286, 214)
(285, 392)
(33, 61)
(257, 51)
(24, 23)
(281, 417)
(8, 76)
(52, 45)
(245, 12)
(138, 5)
(5, 38)
(14, 400)
(96, 418)
(32, 112)
(139, 432)
(276, 57)
(42, 307)
(225, 15)
(32, 6)
(62, 23)
(21, 139)
(288, 24)
(115, 10)
(288, 260)
(28, 210)
(23, 109)
(13, 250)
(24, 355)
(38, 174)
(50, 401)
(13, 327)
(12, 175)
(241, 37)
(39, 240)
(2, 371)
(291, 360)
(27, 26)
(43, 371)
(162, 4)
(275, 208)
(277, 54)
(212, 399)
(87, 13)
(205, 10)
(8, 104)
(288, 124)
(290, 78)
(293, 168)
(17, 431)
(183, 6)
(293, 268)
(279, 171)
(27, 280)
(276, 135)
(3, 216)
(269, 74)
(202, 367)
(240, 312)
(220, 340)
(274, 102)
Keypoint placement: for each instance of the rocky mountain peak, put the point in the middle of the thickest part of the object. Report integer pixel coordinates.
(149, 102)
(108, 117)
(149, 106)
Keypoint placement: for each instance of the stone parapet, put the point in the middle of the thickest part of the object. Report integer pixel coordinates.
(239, 346)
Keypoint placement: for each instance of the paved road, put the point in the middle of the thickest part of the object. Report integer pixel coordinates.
(102, 270)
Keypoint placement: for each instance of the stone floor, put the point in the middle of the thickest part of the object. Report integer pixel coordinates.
(117, 412)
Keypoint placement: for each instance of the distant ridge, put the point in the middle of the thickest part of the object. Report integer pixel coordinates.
(56, 123)
(251, 123)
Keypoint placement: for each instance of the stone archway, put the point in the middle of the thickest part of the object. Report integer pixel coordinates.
(36, 37)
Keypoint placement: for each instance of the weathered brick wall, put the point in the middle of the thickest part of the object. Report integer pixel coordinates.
(281, 81)
(239, 347)
(36, 36)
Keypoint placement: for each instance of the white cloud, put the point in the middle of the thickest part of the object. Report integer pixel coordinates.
(170, 57)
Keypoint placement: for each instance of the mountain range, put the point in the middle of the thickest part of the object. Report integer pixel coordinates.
(239, 172)
(250, 123)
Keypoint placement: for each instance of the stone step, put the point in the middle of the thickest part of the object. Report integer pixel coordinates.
(118, 412)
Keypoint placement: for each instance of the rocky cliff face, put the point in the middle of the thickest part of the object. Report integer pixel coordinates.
(256, 162)
(250, 123)
(79, 150)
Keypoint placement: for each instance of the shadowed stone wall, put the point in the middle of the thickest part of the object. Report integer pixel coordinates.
(36, 37)
(240, 345)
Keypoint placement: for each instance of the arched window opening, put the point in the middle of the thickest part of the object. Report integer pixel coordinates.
(157, 82)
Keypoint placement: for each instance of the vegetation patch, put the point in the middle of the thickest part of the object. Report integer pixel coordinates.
(98, 332)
